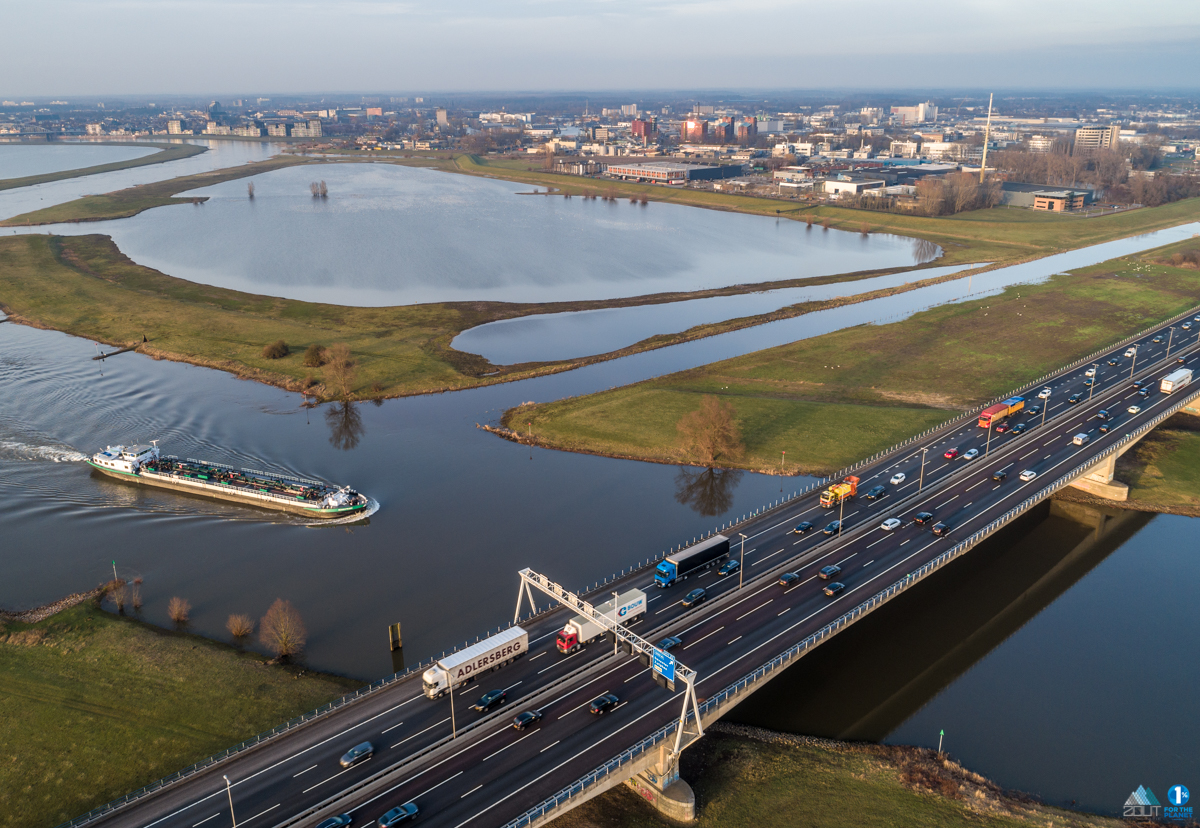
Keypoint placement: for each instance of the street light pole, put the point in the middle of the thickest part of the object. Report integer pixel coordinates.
(229, 790)
(453, 726)
(841, 511)
(1095, 376)
(1133, 364)
(742, 561)
(1045, 408)
(987, 448)
(921, 482)
(616, 601)
(1169, 338)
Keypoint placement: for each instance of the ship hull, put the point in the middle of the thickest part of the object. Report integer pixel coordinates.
(225, 493)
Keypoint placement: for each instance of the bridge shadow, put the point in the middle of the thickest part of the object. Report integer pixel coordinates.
(869, 679)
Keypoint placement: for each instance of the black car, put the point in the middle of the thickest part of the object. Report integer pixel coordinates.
(335, 821)
(1145, 392)
(1104, 427)
(1089, 382)
(999, 475)
(1033, 409)
(729, 567)
(1020, 428)
(788, 578)
(923, 517)
(829, 571)
(875, 492)
(940, 529)
(356, 754)
(1074, 398)
(832, 528)
(524, 720)
(401, 813)
(669, 642)
(604, 704)
(1180, 360)
(1138, 384)
(694, 597)
(834, 588)
(1114, 361)
(801, 528)
(1102, 414)
(490, 699)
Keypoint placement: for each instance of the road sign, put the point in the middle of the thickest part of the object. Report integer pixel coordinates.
(664, 664)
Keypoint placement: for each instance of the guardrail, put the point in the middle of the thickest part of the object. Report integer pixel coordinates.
(713, 703)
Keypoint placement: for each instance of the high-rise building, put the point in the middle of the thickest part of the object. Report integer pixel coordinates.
(694, 130)
(443, 119)
(644, 129)
(630, 109)
(922, 113)
(1089, 139)
(175, 127)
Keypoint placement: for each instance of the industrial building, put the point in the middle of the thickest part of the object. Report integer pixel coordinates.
(666, 172)
(1040, 197)
(1088, 139)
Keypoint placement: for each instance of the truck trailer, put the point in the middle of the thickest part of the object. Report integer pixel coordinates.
(995, 413)
(625, 609)
(462, 667)
(838, 492)
(678, 566)
(1175, 380)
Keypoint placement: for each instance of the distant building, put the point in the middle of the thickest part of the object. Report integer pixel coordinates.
(1089, 139)
(175, 127)
(1040, 197)
(669, 172)
(309, 129)
(694, 130)
(852, 186)
(94, 129)
(213, 128)
(1040, 143)
(251, 131)
(904, 149)
(1059, 201)
(442, 119)
(922, 113)
(374, 111)
(643, 129)
(277, 130)
(746, 131)
(630, 109)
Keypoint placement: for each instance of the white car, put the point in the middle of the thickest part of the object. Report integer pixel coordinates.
(1134, 409)
(1091, 372)
(1044, 394)
(1131, 351)
(1028, 475)
(890, 525)
(971, 454)
(897, 478)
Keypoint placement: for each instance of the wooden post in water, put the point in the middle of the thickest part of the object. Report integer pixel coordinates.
(395, 642)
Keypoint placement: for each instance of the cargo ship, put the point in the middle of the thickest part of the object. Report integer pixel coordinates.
(144, 464)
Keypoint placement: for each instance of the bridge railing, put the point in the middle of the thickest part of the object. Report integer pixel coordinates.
(729, 694)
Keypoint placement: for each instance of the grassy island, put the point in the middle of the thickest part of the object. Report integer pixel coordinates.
(96, 705)
(166, 152)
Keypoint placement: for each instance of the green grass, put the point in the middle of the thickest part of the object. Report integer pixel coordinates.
(1164, 468)
(834, 399)
(94, 706)
(166, 152)
(741, 783)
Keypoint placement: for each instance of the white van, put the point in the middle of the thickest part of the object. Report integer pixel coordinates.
(1131, 351)
(1081, 439)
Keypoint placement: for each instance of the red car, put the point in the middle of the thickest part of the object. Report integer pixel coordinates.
(951, 454)
(1003, 427)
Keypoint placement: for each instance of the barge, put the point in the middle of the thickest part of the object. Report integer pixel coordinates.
(145, 465)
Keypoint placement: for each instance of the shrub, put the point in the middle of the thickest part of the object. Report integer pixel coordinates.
(178, 609)
(239, 626)
(281, 629)
(276, 350)
(314, 356)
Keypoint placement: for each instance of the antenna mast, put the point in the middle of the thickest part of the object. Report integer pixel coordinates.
(987, 132)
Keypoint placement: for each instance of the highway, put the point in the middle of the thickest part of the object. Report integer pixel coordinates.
(492, 773)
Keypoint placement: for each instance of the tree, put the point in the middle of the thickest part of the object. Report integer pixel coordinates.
(281, 629)
(178, 609)
(931, 196)
(711, 432)
(239, 625)
(276, 350)
(314, 356)
(340, 368)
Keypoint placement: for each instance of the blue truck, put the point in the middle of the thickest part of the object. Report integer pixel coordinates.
(700, 556)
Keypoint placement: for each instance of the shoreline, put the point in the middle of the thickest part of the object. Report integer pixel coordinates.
(166, 152)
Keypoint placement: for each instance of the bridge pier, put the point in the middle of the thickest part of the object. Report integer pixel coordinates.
(661, 786)
(1099, 481)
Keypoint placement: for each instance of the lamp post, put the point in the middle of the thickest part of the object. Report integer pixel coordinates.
(921, 482)
(1095, 376)
(1170, 336)
(841, 511)
(616, 639)
(1133, 363)
(742, 561)
(229, 791)
(1045, 408)
(987, 447)
(453, 726)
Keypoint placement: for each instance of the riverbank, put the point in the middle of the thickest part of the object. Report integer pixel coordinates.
(830, 400)
(746, 777)
(166, 152)
(97, 705)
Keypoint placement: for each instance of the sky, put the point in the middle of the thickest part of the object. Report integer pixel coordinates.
(186, 47)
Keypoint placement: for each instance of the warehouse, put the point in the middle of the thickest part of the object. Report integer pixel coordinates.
(666, 172)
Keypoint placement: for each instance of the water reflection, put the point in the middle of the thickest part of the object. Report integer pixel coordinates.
(345, 423)
(925, 251)
(708, 492)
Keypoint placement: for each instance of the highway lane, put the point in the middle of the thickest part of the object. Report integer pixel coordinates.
(300, 769)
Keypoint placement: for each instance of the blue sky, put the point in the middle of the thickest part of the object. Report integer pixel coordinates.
(98, 47)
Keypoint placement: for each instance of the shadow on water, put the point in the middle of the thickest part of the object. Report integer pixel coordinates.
(868, 680)
(346, 428)
(707, 492)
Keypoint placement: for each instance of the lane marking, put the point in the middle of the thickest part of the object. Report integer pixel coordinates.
(306, 770)
(756, 609)
(698, 640)
(426, 730)
(335, 776)
(260, 813)
(473, 790)
(206, 819)
(506, 747)
(389, 730)
(739, 638)
(547, 747)
(427, 790)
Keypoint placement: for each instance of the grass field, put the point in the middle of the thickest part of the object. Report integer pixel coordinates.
(1164, 468)
(834, 399)
(94, 706)
(166, 152)
(742, 783)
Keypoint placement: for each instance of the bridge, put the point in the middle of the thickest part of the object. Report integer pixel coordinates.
(466, 769)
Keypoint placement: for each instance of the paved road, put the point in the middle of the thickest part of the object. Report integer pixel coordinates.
(492, 773)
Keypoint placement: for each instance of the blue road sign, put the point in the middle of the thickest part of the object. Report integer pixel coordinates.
(664, 664)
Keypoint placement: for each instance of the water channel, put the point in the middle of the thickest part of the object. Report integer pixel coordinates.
(20, 160)
(1051, 695)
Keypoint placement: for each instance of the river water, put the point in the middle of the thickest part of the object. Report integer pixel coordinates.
(20, 160)
(1073, 686)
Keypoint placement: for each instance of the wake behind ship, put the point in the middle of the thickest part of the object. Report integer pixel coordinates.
(144, 464)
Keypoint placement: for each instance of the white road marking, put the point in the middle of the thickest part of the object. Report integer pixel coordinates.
(260, 813)
(739, 638)
(756, 609)
(306, 770)
(206, 819)
(473, 790)
(698, 640)
(335, 776)
(547, 747)
(506, 747)
(426, 730)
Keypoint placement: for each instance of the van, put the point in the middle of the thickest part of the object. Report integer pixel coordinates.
(1081, 439)
(1131, 351)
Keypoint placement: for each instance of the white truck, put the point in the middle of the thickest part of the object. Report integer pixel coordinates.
(463, 666)
(1175, 380)
(624, 609)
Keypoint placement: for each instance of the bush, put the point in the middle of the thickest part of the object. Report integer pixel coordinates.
(276, 350)
(281, 629)
(178, 609)
(239, 626)
(314, 356)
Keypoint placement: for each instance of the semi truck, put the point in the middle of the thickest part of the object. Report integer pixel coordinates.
(1175, 380)
(838, 492)
(624, 609)
(700, 556)
(995, 413)
(462, 667)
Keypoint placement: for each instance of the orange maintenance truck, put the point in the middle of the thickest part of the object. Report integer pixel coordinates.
(838, 492)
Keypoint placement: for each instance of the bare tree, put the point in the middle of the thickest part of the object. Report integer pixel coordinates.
(178, 609)
(118, 591)
(281, 629)
(711, 432)
(250, 189)
(135, 594)
(931, 196)
(239, 625)
(340, 369)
